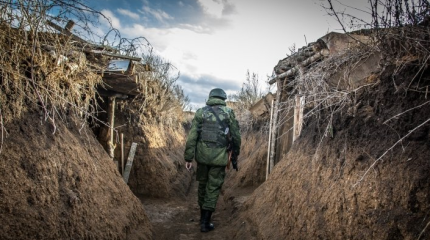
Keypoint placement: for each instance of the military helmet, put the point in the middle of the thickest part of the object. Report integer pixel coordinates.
(218, 92)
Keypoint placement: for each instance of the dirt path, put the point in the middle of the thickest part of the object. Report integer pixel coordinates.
(180, 219)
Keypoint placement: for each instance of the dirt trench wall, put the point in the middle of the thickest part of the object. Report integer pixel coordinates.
(63, 186)
(158, 168)
(252, 162)
(315, 192)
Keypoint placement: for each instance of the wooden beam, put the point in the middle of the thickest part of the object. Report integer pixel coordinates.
(269, 142)
(111, 118)
(116, 55)
(130, 159)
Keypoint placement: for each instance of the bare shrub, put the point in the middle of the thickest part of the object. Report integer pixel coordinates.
(56, 72)
(243, 100)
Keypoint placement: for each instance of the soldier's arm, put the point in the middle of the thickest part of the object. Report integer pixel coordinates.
(192, 138)
(235, 133)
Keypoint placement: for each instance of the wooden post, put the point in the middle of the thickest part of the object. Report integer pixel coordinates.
(122, 154)
(275, 126)
(111, 117)
(130, 158)
(298, 116)
(269, 142)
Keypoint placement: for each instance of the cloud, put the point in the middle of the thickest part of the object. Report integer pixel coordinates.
(128, 13)
(197, 28)
(198, 88)
(158, 14)
(112, 19)
(228, 9)
(217, 8)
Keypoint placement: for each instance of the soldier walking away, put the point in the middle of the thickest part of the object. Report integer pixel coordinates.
(213, 141)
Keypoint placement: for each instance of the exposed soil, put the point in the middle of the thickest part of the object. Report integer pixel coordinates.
(63, 186)
(319, 190)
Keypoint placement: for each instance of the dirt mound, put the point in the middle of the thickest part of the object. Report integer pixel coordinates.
(63, 186)
(353, 183)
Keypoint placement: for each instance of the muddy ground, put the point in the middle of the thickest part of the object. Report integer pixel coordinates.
(179, 219)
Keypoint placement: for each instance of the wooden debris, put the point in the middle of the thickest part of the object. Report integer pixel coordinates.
(130, 159)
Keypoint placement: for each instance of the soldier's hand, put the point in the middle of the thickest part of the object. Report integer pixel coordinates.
(188, 166)
(234, 161)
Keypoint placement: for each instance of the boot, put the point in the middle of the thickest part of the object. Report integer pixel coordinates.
(202, 215)
(206, 225)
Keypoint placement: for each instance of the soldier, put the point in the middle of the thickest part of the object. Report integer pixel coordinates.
(214, 135)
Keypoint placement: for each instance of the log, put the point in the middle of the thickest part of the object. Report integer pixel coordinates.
(130, 159)
(292, 71)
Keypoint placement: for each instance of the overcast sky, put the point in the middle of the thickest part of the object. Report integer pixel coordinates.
(214, 42)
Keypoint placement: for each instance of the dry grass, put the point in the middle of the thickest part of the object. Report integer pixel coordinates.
(33, 75)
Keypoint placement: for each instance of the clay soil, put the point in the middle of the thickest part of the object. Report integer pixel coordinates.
(63, 185)
(320, 189)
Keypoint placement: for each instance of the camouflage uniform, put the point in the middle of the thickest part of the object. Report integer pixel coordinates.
(211, 156)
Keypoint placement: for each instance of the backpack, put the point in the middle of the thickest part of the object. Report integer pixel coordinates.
(214, 127)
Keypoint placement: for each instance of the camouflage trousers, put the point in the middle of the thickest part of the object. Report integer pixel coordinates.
(211, 179)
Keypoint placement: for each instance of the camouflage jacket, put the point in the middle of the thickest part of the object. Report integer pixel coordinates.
(204, 153)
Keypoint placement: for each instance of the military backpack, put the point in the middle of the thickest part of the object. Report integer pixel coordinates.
(214, 129)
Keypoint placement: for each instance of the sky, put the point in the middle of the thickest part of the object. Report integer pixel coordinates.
(213, 43)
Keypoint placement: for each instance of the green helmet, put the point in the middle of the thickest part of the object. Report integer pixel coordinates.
(218, 92)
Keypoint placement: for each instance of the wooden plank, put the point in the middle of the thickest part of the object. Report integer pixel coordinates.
(111, 117)
(137, 59)
(275, 126)
(121, 83)
(298, 116)
(130, 159)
